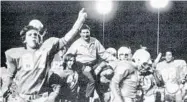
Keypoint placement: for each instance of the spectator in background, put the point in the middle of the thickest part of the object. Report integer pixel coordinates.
(69, 83)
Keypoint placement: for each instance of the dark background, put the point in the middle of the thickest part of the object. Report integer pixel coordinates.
(131, 24)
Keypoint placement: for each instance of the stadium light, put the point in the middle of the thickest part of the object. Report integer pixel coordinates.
(104, 6)
(159, 3)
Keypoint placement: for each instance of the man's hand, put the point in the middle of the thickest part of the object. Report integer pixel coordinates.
(82, 15)
(77, 26)
(87, 69)
(158, 58)
(104, 80)
(183, 81)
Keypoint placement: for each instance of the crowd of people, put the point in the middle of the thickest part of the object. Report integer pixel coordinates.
(49, 71)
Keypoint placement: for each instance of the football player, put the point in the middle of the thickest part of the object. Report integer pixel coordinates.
(30, 64)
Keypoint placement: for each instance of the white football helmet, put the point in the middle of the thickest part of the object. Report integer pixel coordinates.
(124, 53)
(111, 51)
(142, 59)
(38, 25)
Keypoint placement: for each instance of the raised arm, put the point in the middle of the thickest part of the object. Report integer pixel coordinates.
(53, 45)
(78, 24)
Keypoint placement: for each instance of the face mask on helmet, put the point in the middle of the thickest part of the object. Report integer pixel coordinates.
(142, 59)
(111, 51)
(124, 53)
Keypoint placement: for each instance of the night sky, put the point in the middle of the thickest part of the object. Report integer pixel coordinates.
(131, 24)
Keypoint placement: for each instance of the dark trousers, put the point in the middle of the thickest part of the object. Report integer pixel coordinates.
(87, 86)
(87, 82)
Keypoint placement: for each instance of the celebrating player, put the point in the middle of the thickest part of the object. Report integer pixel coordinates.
(30, 64)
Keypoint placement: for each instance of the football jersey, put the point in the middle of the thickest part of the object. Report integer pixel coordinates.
(30, 68)
(125, 75)
(173, 72)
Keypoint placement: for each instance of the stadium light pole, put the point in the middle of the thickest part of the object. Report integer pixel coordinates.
(158, 4)
(103, 7)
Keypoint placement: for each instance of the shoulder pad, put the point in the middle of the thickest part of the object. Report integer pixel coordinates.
(15, 52)
(180, 62)
(162, 62)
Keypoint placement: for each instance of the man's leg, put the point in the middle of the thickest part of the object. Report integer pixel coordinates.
(160, 95)
(91, 81)
(82, 97)
(82, 89)
(169, 98)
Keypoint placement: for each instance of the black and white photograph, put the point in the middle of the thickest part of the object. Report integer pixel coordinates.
(93, 51)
